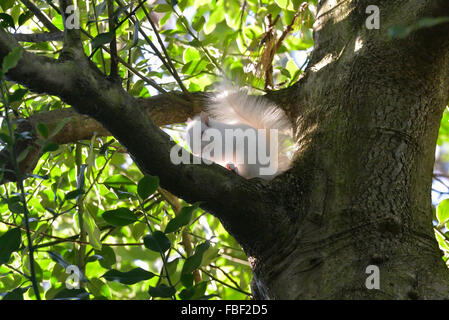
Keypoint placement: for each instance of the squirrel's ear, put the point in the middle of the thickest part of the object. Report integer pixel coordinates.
(204, 117)
(188, 120)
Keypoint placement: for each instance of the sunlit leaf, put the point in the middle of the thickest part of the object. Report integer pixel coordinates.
(12, 59)
(16, 294)
(443, 211)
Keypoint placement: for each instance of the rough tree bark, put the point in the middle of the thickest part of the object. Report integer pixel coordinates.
(366, 115)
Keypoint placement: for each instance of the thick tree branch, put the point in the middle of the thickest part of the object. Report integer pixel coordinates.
(39, 37)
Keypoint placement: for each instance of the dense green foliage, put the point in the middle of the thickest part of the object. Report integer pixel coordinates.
(87, 203)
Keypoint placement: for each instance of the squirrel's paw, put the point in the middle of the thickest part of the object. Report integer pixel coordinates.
(230, 166)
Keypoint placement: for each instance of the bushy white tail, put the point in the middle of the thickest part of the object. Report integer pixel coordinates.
(234, 106)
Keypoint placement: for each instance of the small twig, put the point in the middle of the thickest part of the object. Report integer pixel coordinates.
(226, 275)
(289, 28)
(128, 16)
(131, 68)
(164, 259)
(18, 271)
(206, 52)
(72, 239)
(226, 284)
(167, 56)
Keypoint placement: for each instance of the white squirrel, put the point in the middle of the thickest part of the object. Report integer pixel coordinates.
(246, 134)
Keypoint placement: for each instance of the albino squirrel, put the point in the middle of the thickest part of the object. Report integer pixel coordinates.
(228, 134)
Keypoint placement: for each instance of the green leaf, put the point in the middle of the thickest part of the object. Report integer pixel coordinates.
(50, 147)
(195, 292)
(147, 186)
(137, 88)
(9, 242)
(43, 130)
(23, 154)
(74, 194)
(443, 211)
(282, 3)
(131, 277)
(102, 39)
(24, 17)
(119, 217)
(118, 180)
(442, 241)
(17, 95)
(108, 255)
(6, 4)
(187, 280)
(210, 255)
(216, 17)
(194, 262)
(194, 67)
(99, 289)
(16, 294)
(15, 205)
(6, 21)
(162, 8)
(59, 126)
(6, 139)
(161, 291)
(157, 241)
(182, 218)
(12, 59)
(198, 23)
